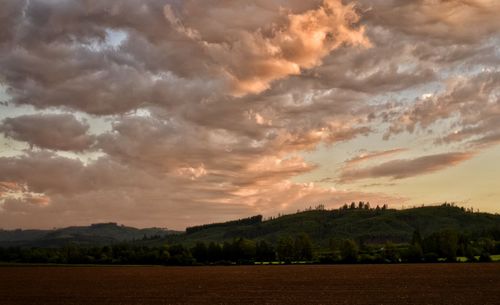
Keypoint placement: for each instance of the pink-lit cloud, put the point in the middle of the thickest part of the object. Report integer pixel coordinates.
(210, 108)
(251, 60)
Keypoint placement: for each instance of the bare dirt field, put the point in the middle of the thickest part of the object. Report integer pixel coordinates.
(308, 284)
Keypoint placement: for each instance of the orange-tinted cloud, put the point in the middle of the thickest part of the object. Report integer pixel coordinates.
(207, 110)
(106, 190)
(253, 59)
(10, 186)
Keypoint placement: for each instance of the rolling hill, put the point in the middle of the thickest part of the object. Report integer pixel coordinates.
(365, 225)
(95, 234)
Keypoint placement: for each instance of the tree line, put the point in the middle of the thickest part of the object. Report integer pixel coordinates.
(244, 221)
(444, 245)
(238, 251)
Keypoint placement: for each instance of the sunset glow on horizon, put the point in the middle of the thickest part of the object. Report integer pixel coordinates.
(172, 113)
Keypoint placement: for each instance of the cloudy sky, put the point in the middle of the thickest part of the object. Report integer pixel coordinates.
(178, 112)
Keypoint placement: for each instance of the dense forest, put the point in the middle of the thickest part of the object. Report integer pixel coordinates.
(355, 233)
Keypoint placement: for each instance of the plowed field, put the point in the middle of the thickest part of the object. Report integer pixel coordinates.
(308, 284)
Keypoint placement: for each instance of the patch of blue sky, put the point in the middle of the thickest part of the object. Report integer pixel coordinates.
(11, 148)
(8, 110)
(97, 125)
(114, 39)
(3, 94)
(407, 96)
(496, 43)
(85, 157)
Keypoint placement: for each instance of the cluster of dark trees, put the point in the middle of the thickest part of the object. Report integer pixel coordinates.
(363, 206)
(241, 250)
(449, 244)
(445, 245)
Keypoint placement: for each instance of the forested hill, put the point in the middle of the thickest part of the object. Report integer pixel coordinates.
(95, 234)
(358, 222)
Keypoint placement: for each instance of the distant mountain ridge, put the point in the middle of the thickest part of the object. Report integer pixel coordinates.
(95, 234)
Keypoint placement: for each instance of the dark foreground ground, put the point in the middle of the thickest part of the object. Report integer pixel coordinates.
(310, 284)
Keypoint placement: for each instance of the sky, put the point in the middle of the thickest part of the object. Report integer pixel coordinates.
(172, 113)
